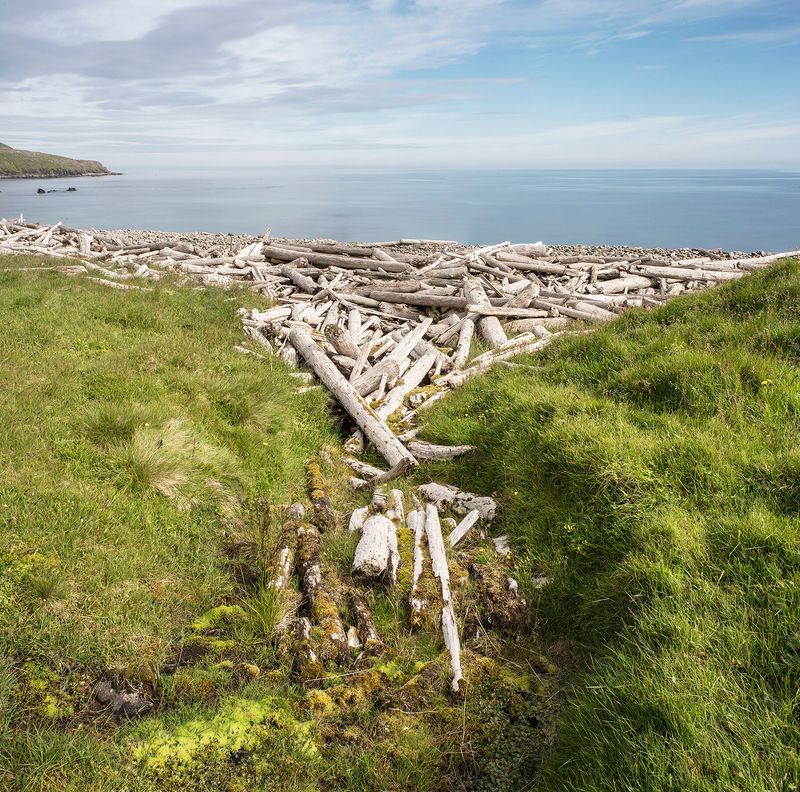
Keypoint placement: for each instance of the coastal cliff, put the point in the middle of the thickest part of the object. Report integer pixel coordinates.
(19, 164)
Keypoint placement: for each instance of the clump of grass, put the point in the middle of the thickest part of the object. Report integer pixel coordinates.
(649, 470)
(176, 462)
(270, 610)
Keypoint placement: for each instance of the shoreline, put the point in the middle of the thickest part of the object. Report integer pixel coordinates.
(21, 176)
(221, 243)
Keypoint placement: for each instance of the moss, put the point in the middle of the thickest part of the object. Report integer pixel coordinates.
(324, 515)
(207, 745)
(361, 691)
(320, 703)
(405, 546)
(332, 642)
(220, 617)
(250, 669)
(41, 694)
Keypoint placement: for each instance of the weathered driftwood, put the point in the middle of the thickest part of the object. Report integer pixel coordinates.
(332, 646)
(422, 450)
(464, 343)
(441, 571)
(460, 531)
(379, 434)
(376, 553)
(445, 495)
(488, 326)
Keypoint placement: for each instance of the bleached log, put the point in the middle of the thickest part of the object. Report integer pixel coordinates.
(441, 571)
(329, 260)
(298, 279)
(628, 283)
(685, 274)
(517, 346)
(389, 447)
(341, 341)
(357, 519)
(464, 343)
(488, 326)
(367, 382)
(460, 502)
(374, 559)
(423, 450)
(763, 261)
(460, 531)
(416, 524)
(507, 313)
(411, 379)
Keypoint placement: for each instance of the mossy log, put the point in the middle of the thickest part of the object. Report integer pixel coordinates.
(332, 644)
(367, 633)
(324, 515)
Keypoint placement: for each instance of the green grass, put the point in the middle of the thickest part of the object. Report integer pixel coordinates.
(143, 466)
(651, 470)
(16, 162)
(133, 437)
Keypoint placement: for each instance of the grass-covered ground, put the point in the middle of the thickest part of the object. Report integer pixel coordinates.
(139, 454)
(651, 471)
(19, 163)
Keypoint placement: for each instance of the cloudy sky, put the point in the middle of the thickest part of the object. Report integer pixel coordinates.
(404, 83)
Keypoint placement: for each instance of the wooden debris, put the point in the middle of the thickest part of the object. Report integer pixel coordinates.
(444, 495)
(324, 515)
(332, 646)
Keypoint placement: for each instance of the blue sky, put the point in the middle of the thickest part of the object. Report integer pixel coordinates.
(404, 83)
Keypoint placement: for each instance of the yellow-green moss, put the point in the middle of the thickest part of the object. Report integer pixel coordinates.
(240, 725)
(221, 616)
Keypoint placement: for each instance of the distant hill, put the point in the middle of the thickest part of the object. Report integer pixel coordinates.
(17, 164)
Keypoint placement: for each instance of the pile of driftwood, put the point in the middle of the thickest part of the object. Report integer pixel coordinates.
(389, 328)
(388, 332)
(417, 544)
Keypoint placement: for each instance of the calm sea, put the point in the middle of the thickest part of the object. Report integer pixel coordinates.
(734, 210)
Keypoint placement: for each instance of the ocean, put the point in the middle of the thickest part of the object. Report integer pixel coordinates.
(734, 210)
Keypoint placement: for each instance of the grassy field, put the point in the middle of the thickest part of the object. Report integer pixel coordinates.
(15, 162)
(138, 456)
(651, 472)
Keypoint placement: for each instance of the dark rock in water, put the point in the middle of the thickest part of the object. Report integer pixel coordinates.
(42, 191)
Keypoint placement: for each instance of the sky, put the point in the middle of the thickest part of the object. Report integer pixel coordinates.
(404, 83)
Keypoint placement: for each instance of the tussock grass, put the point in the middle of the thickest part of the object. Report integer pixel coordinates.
(651, 470)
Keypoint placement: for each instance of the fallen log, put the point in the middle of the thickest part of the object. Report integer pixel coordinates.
(488, 326)
(324, 515)
(445, 495)
(333, 646)
(441, 571)
(389, 447)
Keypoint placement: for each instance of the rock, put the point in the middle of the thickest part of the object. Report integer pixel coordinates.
(118, 703)
(72, 189)
(41, 191)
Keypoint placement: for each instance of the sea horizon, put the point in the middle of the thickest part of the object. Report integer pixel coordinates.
(744, 209)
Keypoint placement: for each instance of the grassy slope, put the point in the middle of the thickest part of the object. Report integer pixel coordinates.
(15, 162)
(97, 569)
(132, 433)
(652, 471)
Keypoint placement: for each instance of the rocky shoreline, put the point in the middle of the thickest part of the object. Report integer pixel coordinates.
(55, 175)
(218, 244)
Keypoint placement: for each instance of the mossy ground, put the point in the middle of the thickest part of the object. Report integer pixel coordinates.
(651, 472)
(144, 464)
